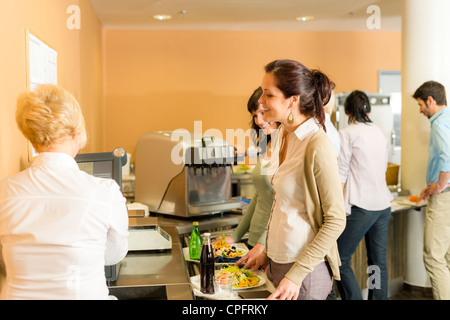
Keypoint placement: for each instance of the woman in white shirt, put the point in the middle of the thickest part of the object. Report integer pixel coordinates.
(308, 208)
(59, 226)
(362, 162)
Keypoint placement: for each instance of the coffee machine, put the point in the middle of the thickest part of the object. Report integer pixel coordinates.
(184, 174)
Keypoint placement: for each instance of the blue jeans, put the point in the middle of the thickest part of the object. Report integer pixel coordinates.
(373, 225)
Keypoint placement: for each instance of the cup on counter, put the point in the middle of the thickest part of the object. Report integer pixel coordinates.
(224, 285)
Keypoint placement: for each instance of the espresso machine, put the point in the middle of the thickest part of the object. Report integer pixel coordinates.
(184, 174)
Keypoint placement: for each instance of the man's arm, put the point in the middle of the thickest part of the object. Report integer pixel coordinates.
(435, 188)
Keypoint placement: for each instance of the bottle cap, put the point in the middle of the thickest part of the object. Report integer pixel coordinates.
(195, 223)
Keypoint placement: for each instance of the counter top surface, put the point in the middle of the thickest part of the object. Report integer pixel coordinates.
(166, 270)
(402, 203)
(156, 268)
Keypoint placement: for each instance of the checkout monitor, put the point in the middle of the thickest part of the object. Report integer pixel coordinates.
(104, 164)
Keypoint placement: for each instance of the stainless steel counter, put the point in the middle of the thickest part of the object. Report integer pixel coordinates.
(154, 275)
(164, 275)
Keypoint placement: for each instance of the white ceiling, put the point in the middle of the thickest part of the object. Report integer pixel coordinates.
(330, 15)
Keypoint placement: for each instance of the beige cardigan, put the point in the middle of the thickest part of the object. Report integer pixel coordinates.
(324, 202)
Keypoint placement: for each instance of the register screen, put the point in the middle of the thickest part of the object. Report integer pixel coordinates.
(101, 169)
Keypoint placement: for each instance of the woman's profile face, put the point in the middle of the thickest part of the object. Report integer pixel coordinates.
(274, 105)
(258, 117)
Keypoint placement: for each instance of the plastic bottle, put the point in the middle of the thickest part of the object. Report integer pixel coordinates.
(195, 243)
(207, 268)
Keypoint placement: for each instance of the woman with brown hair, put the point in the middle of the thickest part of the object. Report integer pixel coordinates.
(308, 215)
(363, 160)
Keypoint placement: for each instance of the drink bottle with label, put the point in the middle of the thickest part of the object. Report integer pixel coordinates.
(207, 266)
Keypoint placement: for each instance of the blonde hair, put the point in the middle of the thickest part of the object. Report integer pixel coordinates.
(49, 115)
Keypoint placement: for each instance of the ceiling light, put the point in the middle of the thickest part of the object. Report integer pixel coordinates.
(305, 19)
(162, 17)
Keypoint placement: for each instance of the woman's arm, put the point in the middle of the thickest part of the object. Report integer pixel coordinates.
(117, 241)
(244, 224)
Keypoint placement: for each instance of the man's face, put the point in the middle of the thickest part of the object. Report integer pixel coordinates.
(426, 107)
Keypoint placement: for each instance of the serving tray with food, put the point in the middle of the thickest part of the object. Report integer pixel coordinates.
(224, 253)
(243, 280)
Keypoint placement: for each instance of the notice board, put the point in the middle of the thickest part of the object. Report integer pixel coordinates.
(42, 68)
(41, 61)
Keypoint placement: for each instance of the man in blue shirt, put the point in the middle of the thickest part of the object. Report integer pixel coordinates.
(436, 252)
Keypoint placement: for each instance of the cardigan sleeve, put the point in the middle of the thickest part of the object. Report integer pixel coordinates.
(324, 203)
(244, 224)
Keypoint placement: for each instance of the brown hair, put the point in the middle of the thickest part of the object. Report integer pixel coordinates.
(252, 106)
(357, 107)
(313, 86)
(431, 89)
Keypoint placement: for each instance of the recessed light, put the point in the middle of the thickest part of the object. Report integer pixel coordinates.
(162, 17)
(304, 19)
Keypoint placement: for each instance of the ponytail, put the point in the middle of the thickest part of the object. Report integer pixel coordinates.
(323, 89)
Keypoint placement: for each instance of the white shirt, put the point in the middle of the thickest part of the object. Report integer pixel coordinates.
(289, 230)
(59, 227)
(332, 133)
(362, 166)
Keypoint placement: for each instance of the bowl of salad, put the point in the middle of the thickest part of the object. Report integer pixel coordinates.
(224, 252)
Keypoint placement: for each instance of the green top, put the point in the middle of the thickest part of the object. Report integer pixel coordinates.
(257, 215)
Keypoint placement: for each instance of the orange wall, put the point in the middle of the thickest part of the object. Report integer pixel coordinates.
(164, 80)
(131, 82)
(79, 68)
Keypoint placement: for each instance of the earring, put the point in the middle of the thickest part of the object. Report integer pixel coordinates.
(290, 118)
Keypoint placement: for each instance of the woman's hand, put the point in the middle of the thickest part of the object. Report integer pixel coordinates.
(287, 290)
(250, 257)
(227, 239)
(261, 262)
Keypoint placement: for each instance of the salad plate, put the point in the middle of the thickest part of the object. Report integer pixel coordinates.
(242, 278)
(195, 281)
(223, 256)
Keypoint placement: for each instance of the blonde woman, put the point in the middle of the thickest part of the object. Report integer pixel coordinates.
(59, 226)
